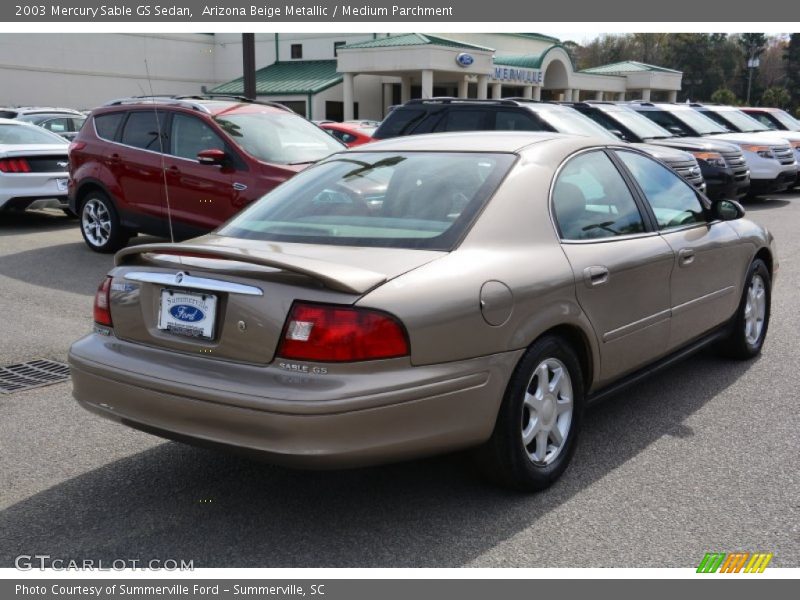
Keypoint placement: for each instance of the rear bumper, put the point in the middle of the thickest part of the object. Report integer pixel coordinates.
(19, 191)
(437, 408)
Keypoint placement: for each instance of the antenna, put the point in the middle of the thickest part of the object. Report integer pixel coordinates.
(161, 152)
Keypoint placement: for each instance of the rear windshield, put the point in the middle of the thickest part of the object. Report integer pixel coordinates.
(424, 200)
(282, 138)
(28, 134)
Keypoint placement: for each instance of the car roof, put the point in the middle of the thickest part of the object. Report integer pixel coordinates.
(15, 122)
(470, 141)
(212, 106)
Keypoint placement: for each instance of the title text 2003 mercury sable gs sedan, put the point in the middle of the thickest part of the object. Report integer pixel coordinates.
(415, 298)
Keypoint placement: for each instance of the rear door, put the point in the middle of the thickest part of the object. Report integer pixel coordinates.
(621, 267)
(137, 165)
(709, 258)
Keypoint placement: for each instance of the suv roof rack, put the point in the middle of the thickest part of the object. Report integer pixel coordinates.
(452, 100)
(194, 102)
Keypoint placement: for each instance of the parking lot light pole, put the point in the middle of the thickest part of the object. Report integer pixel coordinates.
(249, 64)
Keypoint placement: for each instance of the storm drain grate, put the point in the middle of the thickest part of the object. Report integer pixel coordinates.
(31, 374)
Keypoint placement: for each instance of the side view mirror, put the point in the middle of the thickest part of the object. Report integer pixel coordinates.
(212, 156)
(727, 210)
(618, 133)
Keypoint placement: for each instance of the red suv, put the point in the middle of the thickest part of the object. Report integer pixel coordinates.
(181, 166)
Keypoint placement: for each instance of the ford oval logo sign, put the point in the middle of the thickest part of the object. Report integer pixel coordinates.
(189, 314)
(464, 59)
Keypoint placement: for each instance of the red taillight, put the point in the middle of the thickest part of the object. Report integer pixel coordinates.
(102, 303)
(341, 334)
(14, 165)
(75, 146)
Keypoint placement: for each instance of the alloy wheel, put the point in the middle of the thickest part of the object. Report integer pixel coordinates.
(547, 411)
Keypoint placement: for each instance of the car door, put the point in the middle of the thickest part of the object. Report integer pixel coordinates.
(200, 195)
(709, 259)
(621, 267)
(137, 167)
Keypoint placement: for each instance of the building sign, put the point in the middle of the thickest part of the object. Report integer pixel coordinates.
(464, 59)
(517, 75)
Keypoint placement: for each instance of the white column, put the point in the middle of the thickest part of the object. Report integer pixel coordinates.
(463, 87)
(527, 92)
(347, 96)
(672, 96)
(427, 83)
(405, 89)
(620, 96)
(598, 96)
(567, 95)
(483, 87)
(388, 98)
(537, 93)
(576, 95)
(646, 95)
(497, 91)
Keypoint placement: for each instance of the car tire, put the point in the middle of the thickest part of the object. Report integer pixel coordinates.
(524, 452)
(100, 224)
(749, 326)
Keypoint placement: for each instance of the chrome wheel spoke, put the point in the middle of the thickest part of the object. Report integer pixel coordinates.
(546, 411)
(755, 310)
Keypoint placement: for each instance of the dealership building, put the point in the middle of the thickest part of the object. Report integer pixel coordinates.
(322, 76)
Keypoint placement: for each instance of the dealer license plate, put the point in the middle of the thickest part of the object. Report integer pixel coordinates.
(188, 314)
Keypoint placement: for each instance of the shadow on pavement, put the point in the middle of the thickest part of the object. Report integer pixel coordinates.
(179, 502)
(67, 267)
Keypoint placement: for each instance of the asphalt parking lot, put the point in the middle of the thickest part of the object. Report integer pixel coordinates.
(702, 457)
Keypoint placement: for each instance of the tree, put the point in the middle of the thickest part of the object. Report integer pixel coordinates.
(776, 97)
(724, 96)
(753, 46)
(791, 59)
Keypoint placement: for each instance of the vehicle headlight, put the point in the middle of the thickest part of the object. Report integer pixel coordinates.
(712, 158)
(762, 151)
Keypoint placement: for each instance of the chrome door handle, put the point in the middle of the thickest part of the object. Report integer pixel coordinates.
(594, 276)
(240, 187)
(685, 257)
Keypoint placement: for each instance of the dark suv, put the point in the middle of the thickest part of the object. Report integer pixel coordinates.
(181, 166)
(723, 165)
(516, 114)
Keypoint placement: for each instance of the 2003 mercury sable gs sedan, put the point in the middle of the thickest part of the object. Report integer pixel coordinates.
(427, 294)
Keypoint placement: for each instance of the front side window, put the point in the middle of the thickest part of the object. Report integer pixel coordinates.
(462, 120)
(592, 201)
(389, 199)
(141, 130)
(674, 202)
(191, 136)
(514, 120)
(58, 125)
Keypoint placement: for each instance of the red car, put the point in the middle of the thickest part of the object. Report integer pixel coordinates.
(181, 166)
(349, 134)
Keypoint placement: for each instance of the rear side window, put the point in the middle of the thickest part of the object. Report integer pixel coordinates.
(592, 201)
(400, 121)
(142, 130)
(514, 120)
(107, 124)
(674, 202)
(463, 120)
(388, 199)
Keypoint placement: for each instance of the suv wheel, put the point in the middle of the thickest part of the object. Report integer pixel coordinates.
(749, 327)
(100, 224)
(537, 427)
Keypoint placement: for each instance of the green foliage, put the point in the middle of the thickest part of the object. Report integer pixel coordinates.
(791, 59)
(776, 97)
(724, 96)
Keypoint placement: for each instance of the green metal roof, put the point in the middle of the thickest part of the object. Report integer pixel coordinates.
(413, 39)
(285, 78)
(527, 61)
(536, 36)
(628, 66)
